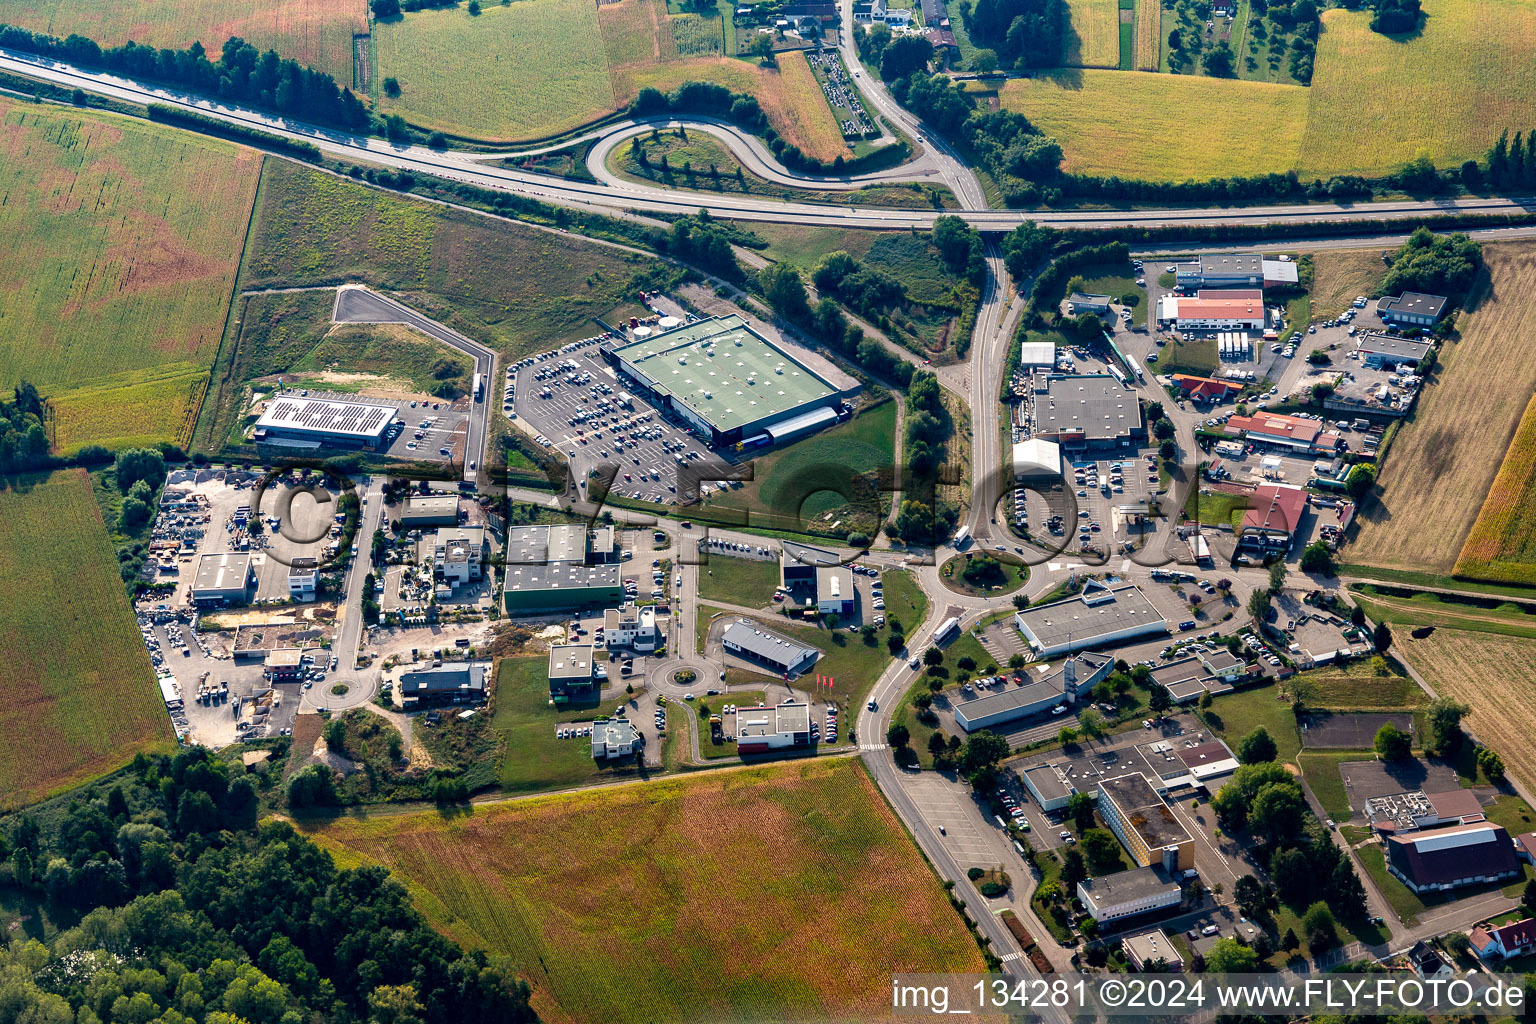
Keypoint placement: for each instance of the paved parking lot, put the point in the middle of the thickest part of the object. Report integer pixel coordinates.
(574, 401)
(944, 804)
(1090, 519)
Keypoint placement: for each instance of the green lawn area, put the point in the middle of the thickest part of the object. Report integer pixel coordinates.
(792, 490)
(1411, 578)
(906, 714)
(1405, 903)
(1234, 715)
(1196, 356)
(745, 581)
(1320, 768)
(534, 760)
(708, 748)
(1356, 686)
(1118, 279)
(1054, 918)
(1513, 813)
(1215, 507)
(1506, 619)
(967, 646)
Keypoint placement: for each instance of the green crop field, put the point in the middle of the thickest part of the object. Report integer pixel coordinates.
(1138, 124)
(313, 32)
(493, 76)
(1094, 37)
(506, 284)
(75, 710)
(1446, 92)
(121, 245)
(772, 893)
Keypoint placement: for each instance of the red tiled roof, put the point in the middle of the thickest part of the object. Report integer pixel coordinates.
(1277, 425)
(1204, 385)
(1275, 507)
(1220, 309)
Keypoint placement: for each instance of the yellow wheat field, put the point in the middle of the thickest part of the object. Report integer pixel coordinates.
(1502, 544)
(1094, 37)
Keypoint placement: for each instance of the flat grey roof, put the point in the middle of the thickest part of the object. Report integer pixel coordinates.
(1088, 298)
(570, 661)
(1178, 671)
(724, 371)
(1048, 781)
(1012, 698)
(766, 644)
(773, 721)
(457, 676)
(1149, 946)
(1231, 263)
(1097, 406)
(538, 545)
(327, 416)
(1413, 302)
(1144, 810)
(834, 581)
(560, 577)
(431, 505)
(227, 570)
(1073, 619)
(792, 553)
(1387, 345)
(1125, 886)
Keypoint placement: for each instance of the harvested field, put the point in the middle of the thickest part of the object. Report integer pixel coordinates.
(1502, 544)
(313, 32)
(802, 118)
(1443, 462)
(122, 243)
(1120, 122)
(729, 895)
(1496, 676)
(1378, 101)
(77, 710)
(528, 70)
(1093, 39)
(1339, 275)
(1149, 21)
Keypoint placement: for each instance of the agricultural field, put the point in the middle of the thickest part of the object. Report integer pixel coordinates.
(1378, 102)
(726, 895)
(315, 229)
(76, 710)
(1502, 543)
(636, 32)
(514, 73)
(123, 239)
(313, 32)
(1093, 39)
(1339, 275)
(1148, 29)
(1442, 464)
(1120, 122)
(1496, 676)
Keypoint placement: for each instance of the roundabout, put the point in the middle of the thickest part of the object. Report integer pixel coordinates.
(983, 573)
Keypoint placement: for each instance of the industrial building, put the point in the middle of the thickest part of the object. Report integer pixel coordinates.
(1144, 824)
(537, 589)
(1384, 351)
(461, 682)
(563, 544)
(728, 382)
(1088, 411)
(1222, 270)
(1036, 459)
(1293, 433)
(1049, 786)
(427, 510)
(570, 673)
(304, 578)
(1449, 858)
(222, 578)
(1411, 811)
(834, 590)
(1104, 613)
(988, 710)
(631, 627)
(1036, 355)
(1127, 894)
(313, 423)
(1200, 313)
(801, 567)
(1272, 518)
(614, 737)
(459, 554)
(1410, 309)
(1078, 303)
(1281, 274)
(762, 647)
(761, 730)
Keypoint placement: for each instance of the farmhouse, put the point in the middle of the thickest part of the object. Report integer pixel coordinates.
(1224, 270)
(728, 382)
(760, 730)
(312, 423)
(988, 710)
(779, 653)
(1103, 614)
(1143, 823)
(303, 578)
(456, 683)
(570, 673)
(222, 578)
(1128, 894)
(1270, 523)
(1036, 459)
(1410, 309)
(1202, 313)
(614, 737)
(631, 627)
(1380, 351)
(424, 510)
(1448, 858)
(1079, 303)
(1091, 411)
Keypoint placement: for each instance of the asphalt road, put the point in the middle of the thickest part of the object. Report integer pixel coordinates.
(349, 630)
(358, 305)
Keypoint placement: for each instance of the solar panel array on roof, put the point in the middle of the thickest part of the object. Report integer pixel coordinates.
(352, 419)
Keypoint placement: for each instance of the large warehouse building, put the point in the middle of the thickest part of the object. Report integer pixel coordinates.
(1104, 613)
(779, 653)
(1085, 411)
(760, 730)
(222, 578)
(729, 383)
(311, 423)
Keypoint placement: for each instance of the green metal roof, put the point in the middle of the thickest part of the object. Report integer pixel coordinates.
(725, 372)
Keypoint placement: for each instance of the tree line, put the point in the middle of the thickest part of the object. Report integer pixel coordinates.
(23, 438)
(242, 74)
(189, 913)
